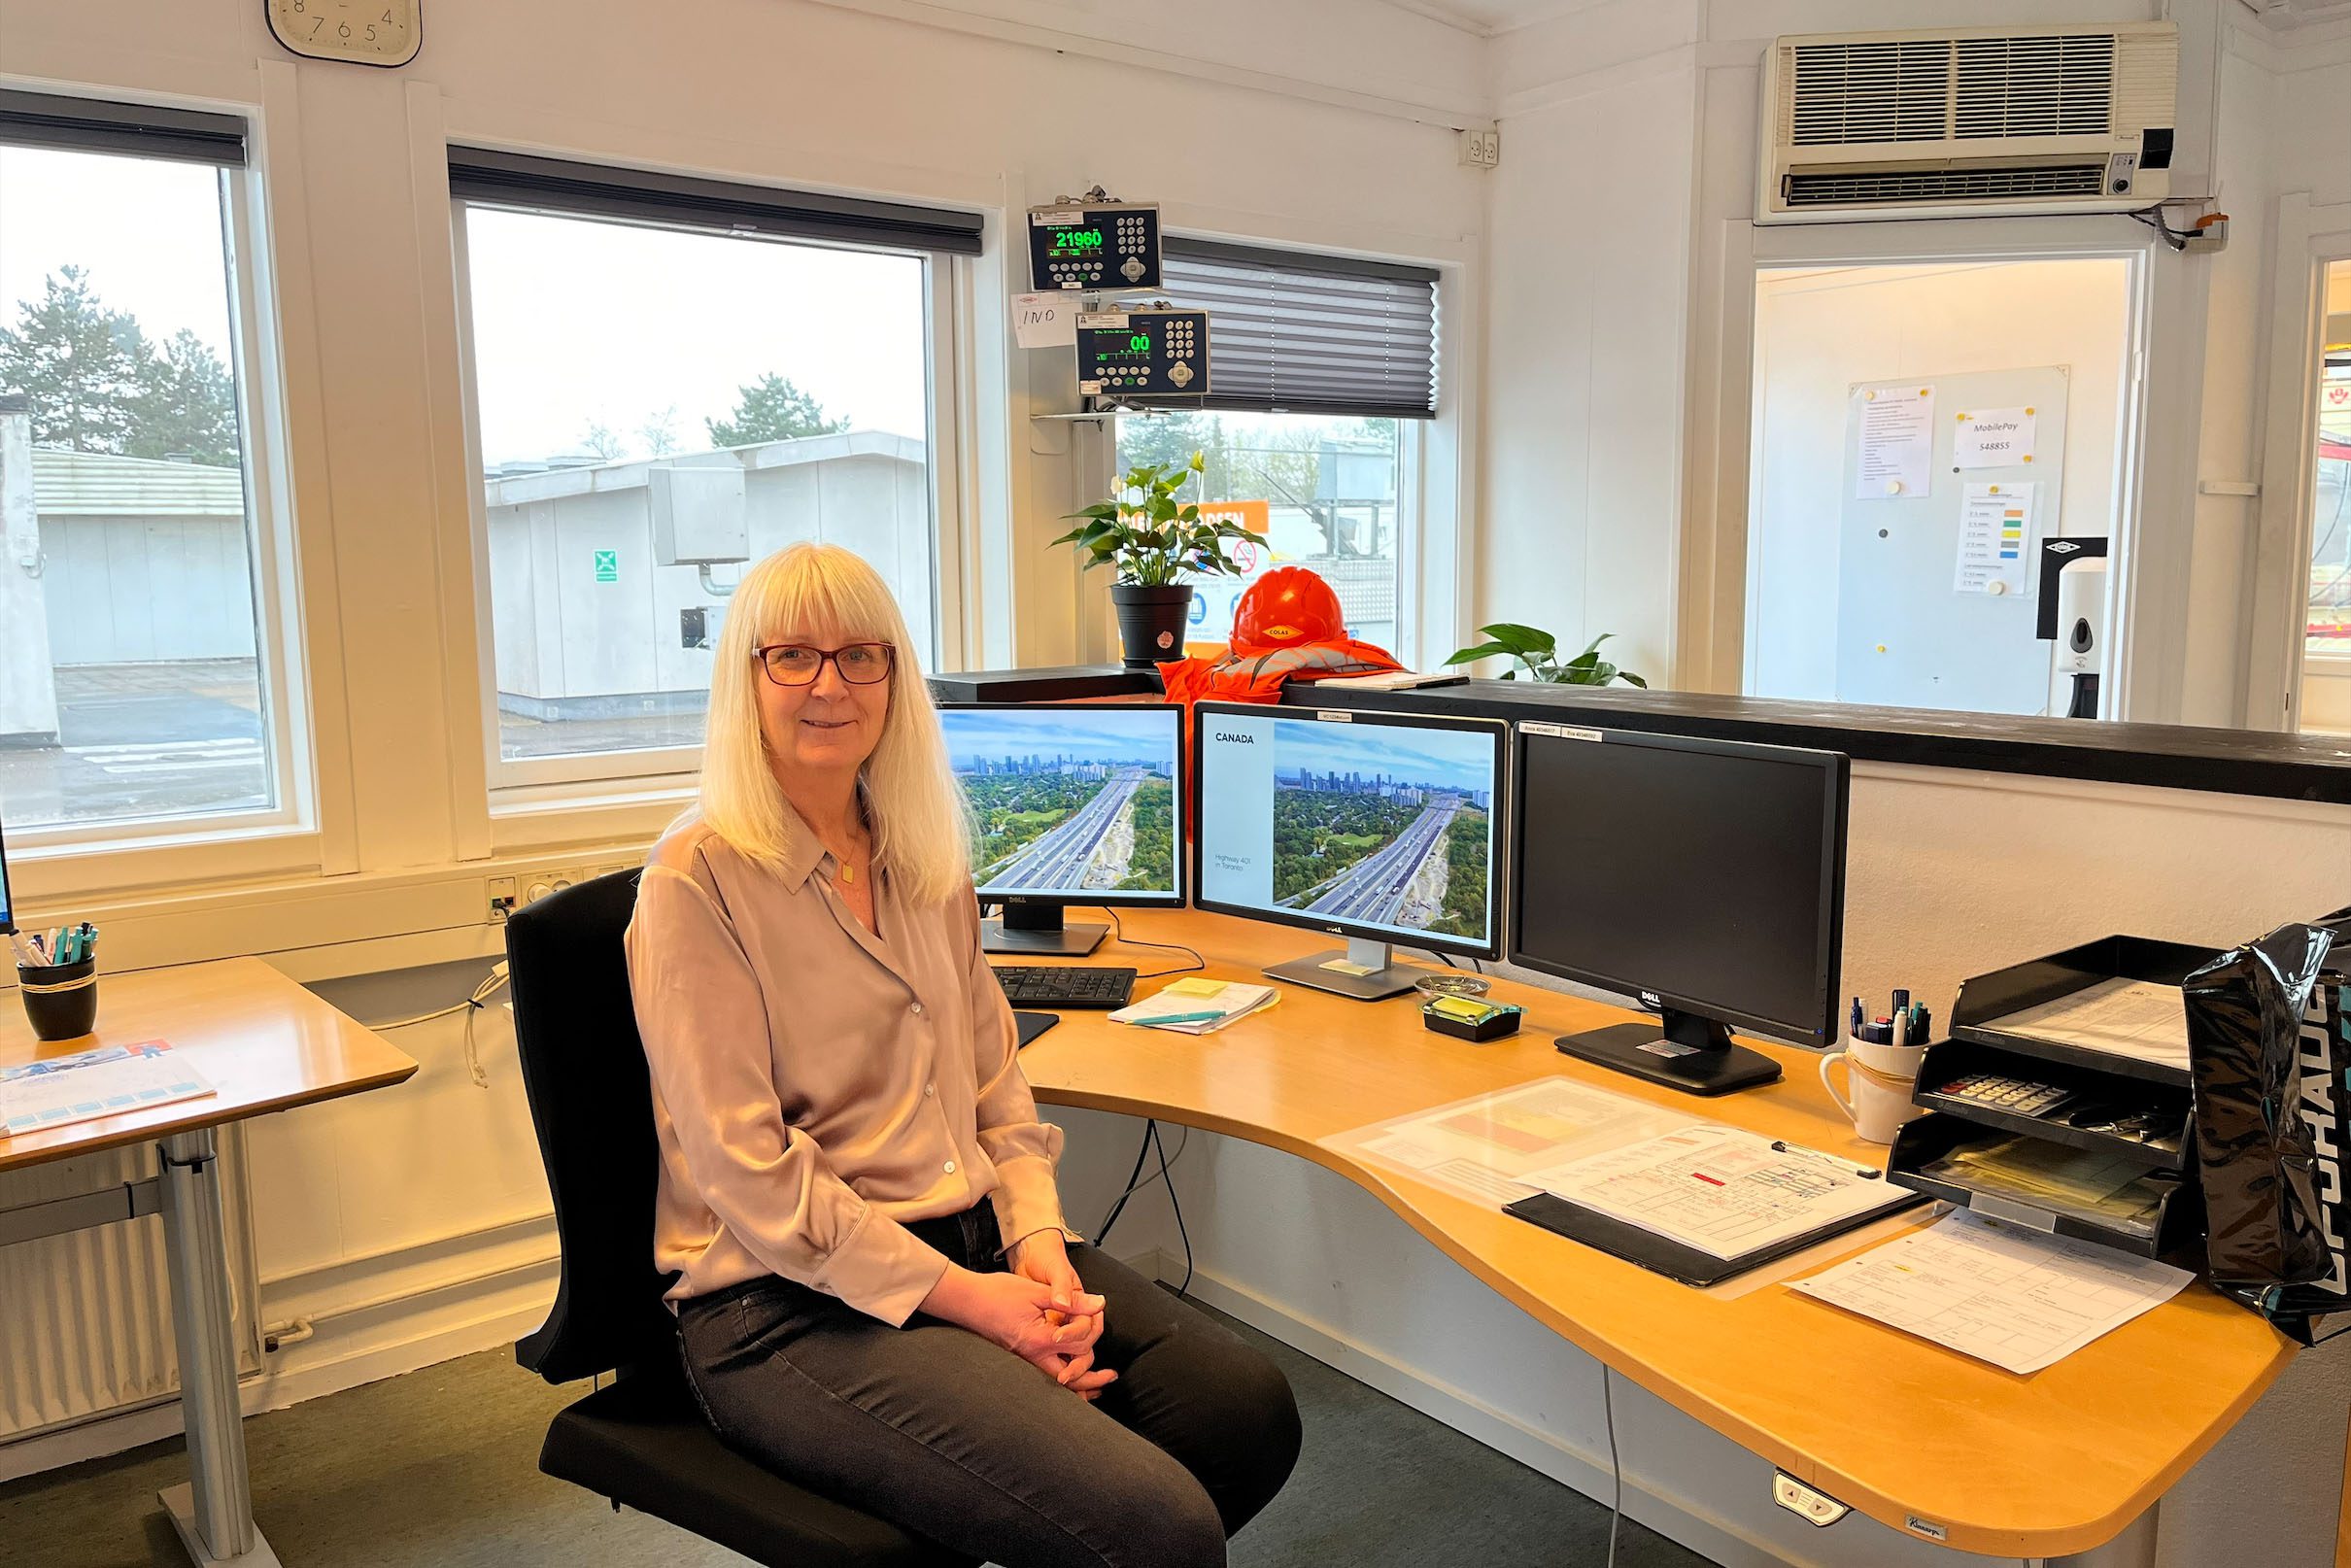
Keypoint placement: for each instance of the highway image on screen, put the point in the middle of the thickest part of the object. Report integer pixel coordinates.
(1070, 803)
(1386, 828)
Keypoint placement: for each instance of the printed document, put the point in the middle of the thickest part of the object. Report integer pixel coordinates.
(1723, 1190)
(1896, 454)
(1197, 1007)
(2014, 1298)
(104, 1082)
(1483, 1148)
(2135, 1019)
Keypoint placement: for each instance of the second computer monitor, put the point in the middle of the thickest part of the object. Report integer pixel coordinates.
(1070, 803)
(1379, 828)
(1706, 877)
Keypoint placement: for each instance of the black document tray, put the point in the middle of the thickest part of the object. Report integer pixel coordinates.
(1660, 1255)
(1985, 1000)
(1951, 1059)
(1926, 1139)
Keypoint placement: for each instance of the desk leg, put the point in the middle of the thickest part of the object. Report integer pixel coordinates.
(214, 1510)
(2134, 1547)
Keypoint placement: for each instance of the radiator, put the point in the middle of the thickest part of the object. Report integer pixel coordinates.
(85, 1318)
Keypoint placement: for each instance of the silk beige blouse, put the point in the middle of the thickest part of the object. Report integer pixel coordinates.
(815, 1083)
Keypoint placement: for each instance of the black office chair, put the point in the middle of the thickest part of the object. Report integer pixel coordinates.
(642, 1441)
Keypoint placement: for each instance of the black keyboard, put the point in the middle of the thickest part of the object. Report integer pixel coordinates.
(1066, 985)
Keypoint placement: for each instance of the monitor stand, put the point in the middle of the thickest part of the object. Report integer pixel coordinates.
(1036, 930)
(1370, 973)
(1682, 1050)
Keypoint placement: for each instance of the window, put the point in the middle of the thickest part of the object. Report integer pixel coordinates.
(672, 379)
(2325, 704)
(138, 672)
(1320, 369)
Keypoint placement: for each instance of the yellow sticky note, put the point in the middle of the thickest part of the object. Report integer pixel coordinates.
(1194, 987)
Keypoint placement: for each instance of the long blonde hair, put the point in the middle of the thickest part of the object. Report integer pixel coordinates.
(911, 795)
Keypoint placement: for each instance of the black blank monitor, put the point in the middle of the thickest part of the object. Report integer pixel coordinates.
(1705, 877)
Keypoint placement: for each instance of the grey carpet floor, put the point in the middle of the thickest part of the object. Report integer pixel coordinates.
(438, 1469)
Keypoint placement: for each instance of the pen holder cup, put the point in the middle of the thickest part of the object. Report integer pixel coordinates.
(1879, 1101)
(61, 1000)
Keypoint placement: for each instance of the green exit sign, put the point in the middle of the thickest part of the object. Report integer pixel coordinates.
(607, 566)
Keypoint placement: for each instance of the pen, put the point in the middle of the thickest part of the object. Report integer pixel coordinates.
(26, 955)
(1803, 1153)
(1902, 1024)
(1853, 1029)
(1181, 1018)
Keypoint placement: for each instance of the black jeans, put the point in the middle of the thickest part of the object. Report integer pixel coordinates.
(954, 1439)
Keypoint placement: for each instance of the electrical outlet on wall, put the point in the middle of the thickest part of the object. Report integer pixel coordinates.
(1482, 149)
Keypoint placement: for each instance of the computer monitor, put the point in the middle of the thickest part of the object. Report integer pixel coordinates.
(1070, 803)
(1377, 827)
(1707, 878)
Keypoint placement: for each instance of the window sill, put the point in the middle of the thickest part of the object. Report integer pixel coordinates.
(47, 870)
(536, 816)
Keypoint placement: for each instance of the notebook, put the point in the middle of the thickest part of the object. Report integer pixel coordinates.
(1182, 1002)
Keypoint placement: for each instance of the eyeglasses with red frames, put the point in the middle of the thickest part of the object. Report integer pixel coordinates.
(796, 663)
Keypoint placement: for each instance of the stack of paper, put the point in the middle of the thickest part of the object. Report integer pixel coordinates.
(1197, 1005)
(2135, 1018)
(1723, 1190)
(2011, 1297)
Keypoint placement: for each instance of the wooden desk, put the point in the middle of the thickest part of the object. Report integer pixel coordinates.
(265, 1044)
(2065, 1461)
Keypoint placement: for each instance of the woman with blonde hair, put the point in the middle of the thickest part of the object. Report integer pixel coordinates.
(877, 1293)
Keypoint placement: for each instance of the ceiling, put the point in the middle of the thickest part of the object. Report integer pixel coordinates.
(1490, 17)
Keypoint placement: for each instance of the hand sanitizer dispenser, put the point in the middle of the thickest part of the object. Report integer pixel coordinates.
(2081, 638)
(2070, 616)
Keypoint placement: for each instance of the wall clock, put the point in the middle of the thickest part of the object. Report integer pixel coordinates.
(361, 33)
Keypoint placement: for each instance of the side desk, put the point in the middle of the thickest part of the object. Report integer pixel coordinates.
(2051, 1466)
(265, 1044)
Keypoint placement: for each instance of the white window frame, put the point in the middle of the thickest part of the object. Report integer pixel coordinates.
(79, 858)
(2155, 461)
(2310, 237)
(527, 786)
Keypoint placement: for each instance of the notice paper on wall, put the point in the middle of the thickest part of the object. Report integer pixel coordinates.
(1483, 1148)
(1897, 441)
(1045, 321)
(114, 1078)
(1995, 540)
(2015, 1298)
(1994, 438)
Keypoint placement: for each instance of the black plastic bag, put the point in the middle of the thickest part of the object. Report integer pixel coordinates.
(2269, 1236)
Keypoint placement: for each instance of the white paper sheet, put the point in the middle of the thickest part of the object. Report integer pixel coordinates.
(104, 1082)
(1996, 540)
(1481, 1149)
(2012, 1297)
(2135, 1019)
(1994, 438)
(1897, 441)
(1723, 1190)
(1045, 321)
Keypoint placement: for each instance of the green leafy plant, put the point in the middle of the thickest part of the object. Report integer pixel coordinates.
(1149, 536)
(1536, 652)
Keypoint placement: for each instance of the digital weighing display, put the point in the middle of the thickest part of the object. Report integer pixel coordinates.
(1107, 246)
(1142, 353)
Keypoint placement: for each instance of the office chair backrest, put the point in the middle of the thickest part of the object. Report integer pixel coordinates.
(584, 1071)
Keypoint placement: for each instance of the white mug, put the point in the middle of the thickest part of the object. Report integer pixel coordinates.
(1880, 1102)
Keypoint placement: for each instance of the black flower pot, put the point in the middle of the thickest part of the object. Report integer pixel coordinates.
(1151, 619)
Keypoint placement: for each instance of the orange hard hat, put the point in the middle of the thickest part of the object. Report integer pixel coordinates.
(1287, 606)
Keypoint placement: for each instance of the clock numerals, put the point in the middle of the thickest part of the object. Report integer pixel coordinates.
(364, 32)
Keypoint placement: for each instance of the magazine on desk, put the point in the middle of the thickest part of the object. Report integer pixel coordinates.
(35, 1096)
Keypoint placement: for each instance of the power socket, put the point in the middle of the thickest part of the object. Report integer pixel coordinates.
(1482, 149)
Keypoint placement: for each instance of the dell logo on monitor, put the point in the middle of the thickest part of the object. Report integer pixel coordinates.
(1650, 998)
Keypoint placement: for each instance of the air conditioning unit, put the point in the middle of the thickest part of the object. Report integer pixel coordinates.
(1968, 122)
